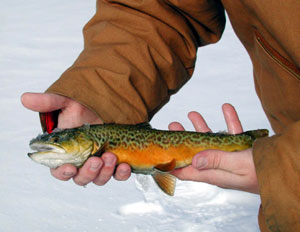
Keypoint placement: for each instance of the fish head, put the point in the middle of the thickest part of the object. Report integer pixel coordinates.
(69, 146)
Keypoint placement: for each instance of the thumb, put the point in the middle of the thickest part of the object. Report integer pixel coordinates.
(216, 159)
(43, 102)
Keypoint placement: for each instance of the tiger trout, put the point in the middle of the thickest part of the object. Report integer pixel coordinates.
(148, 151)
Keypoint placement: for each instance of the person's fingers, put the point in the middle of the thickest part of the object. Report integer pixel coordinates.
(72, 113)
(210, 176)
(64, 172)
(198, 122)
(89, 171)
(186, 173)
(43, 102)
(76, 114)
(235, 162)
(232, 120)
(123, 172)
(216, 177)
(221, 171)
(107, 170)
(175, 126)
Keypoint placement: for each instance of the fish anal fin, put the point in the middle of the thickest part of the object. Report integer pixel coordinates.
(167, 167)
(165, 181)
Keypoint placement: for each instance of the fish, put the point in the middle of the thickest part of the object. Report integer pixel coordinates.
(148, 151)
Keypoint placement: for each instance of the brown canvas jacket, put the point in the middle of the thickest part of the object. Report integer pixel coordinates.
(138, 53)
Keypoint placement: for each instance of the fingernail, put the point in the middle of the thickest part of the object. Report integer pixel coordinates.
(68, 174)
(109, 161)
(123, 172)
(201, 163)
(95, 166)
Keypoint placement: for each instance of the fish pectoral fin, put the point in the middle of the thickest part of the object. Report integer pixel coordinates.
(97, 150)
(165, 181)
(168, 167)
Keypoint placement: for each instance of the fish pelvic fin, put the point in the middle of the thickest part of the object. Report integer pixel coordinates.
(165, 181)
(168, 167)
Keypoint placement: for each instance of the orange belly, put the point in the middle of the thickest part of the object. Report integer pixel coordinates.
(154, 155)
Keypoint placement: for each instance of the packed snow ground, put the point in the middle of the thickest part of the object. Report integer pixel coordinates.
(38, 41)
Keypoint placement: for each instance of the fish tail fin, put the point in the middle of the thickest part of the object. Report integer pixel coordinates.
(255, 134)
(165, 181)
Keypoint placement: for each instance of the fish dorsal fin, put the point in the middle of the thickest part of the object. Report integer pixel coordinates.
(165, 181)
(145, 125)
(168, 167)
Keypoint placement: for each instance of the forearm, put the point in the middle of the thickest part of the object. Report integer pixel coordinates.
(278, 170)
(136, 55)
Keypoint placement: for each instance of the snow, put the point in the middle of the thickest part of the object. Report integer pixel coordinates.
(39, 40)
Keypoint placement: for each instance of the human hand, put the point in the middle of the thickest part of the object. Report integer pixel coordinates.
(73, 114)
(232, 170)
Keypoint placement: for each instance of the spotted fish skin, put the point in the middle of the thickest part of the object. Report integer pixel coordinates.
(148, 151)
(129, 137)
(144, 148)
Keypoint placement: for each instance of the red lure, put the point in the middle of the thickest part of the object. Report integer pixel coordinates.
(49, 121)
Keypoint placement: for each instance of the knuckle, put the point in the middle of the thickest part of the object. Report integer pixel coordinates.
(212, 179)
(216, 161)
(80, 182)
(104, 176)
(102, 181)
(83, 178)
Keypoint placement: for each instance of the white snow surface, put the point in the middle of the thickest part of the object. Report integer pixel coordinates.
(38, 41)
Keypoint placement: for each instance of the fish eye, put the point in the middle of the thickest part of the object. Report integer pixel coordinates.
(54, 139)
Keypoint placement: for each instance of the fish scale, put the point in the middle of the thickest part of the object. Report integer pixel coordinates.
(141, 138)
(148, 151)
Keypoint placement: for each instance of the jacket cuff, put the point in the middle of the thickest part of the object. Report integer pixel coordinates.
(84, 86)
(277, 166)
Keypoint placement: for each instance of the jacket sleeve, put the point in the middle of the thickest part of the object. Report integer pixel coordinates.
(278, 170)
(137, 53)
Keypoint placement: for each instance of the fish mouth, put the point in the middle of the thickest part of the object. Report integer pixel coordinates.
(53, 155)
(41, 148)
(50, 155)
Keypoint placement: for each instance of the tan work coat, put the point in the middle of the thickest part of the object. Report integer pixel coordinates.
(138, 53)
